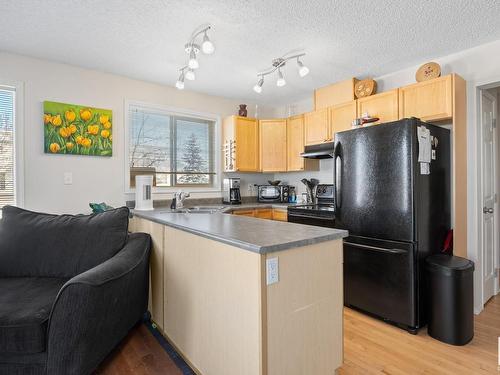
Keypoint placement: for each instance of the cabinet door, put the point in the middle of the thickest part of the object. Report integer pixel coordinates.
(317, 127)
(342, 115)
(429, 100)
(383, 105)
(280, 215)
(273, 145)
(295, 143)
(247, 144)
(265, 213)
(244, 212)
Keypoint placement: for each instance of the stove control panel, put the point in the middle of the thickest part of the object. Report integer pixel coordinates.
(325, 191)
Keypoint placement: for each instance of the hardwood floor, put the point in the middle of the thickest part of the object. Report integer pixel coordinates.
(370, 347)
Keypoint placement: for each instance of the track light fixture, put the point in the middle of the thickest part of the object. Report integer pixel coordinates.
(193, 49)
(277, 65)
(190, 75)
(258, 86)
(180, 81)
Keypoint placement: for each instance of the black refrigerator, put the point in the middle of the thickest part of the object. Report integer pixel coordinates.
(397, 212)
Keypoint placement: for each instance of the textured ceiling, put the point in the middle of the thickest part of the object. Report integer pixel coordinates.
(343, 38)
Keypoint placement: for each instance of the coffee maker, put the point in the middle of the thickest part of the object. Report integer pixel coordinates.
(231, 191)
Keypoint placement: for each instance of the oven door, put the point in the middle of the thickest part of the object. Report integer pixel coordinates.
(319, 221)
(380, 278)
(269, 193)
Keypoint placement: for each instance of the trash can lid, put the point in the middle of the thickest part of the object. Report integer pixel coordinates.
(449, 264)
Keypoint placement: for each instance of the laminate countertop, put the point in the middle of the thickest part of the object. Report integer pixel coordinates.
(249, 233)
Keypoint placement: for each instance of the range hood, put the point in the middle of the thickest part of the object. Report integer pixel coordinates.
(319, 151)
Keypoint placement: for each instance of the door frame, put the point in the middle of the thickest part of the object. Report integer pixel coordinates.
(474, 184)
(484, 92)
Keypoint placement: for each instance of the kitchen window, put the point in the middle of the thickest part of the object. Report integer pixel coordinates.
(177, 148)
(7, 156)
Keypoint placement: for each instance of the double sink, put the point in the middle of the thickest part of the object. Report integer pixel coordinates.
(196, 210)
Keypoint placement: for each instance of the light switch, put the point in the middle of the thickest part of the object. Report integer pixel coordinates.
(68, 178)
(272, 272)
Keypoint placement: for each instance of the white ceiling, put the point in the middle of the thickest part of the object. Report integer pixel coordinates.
(342, 38)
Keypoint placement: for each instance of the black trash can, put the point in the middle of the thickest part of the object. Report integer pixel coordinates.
(450, 302)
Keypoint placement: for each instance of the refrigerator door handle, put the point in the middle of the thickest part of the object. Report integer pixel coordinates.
(337, 175)
(375, 248)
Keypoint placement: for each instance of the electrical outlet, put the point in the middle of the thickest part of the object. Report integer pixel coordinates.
(250, 188)
(272, 271)
(68, 178)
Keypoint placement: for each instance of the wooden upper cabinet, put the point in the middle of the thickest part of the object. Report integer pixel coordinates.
(342, 115)
(295, 146)
(429, 100)
(384, 105)
(334, 94)
(273, 145)
(244, 132)
(317, 126)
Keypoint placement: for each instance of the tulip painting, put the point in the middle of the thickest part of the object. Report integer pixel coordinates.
(77, 130)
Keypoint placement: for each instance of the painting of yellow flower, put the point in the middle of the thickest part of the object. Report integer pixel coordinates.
(78, 130)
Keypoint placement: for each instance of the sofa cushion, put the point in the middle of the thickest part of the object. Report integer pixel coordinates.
(25, 304)
(35, 244)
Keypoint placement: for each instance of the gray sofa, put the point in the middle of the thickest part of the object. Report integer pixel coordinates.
(71, 288)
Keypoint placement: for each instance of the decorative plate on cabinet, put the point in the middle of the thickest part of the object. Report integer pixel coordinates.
(365, 87)
(428, 71)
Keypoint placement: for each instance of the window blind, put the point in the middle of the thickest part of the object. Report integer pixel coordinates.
(7, 162)
(177, 150)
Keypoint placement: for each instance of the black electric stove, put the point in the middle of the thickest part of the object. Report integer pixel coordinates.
(320, 214)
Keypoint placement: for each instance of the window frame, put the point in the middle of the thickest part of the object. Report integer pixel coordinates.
(177, 112)
(18, 88)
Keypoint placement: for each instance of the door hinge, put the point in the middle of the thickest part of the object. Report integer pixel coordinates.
(496, 198)
(494, 123)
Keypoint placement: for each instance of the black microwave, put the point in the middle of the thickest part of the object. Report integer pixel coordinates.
(273, 194)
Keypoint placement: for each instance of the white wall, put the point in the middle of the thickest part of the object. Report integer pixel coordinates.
(95, 179)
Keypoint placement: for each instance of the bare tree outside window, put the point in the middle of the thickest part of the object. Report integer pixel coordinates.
(176, 150)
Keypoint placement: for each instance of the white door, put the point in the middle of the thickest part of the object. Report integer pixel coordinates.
(488, 113)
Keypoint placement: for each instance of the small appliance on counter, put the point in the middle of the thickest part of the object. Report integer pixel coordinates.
(321, 213)
(273, 193)
(231, 191)
(143, 196)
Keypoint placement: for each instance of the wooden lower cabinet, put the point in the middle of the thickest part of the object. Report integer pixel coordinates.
(280, 215)
(156, 303)
(224, 320)
(244, 212)
(264, 213)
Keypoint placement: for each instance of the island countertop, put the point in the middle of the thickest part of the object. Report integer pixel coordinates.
(258, 235)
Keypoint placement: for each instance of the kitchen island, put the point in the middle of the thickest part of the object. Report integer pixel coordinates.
(216, 299)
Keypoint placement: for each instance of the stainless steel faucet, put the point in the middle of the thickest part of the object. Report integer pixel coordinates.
(179, 198)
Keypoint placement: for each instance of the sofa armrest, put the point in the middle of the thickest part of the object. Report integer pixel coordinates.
(95, 310)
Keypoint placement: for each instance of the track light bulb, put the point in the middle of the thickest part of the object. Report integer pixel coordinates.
(303, 70)
(180, 82)
(193, 63)
(258, 86)
(281, 80)
(207, 46)
(190, 75)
